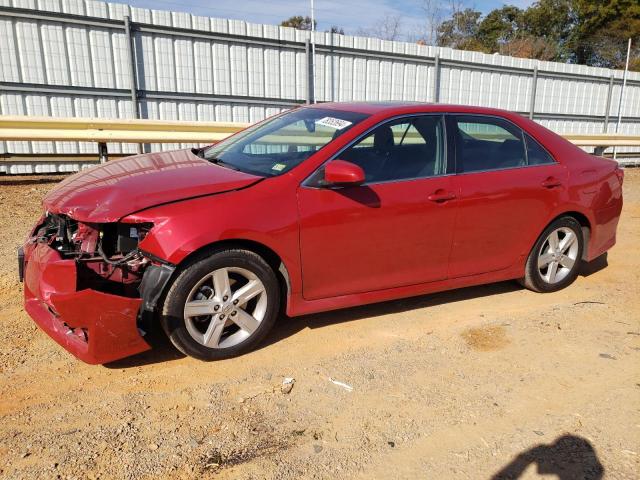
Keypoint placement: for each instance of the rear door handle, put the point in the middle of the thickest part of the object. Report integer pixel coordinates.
(551, 182)
(440, 196)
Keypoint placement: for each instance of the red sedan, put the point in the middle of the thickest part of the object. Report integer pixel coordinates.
(318, 208)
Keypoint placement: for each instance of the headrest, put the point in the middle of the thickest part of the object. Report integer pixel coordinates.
(383, 138)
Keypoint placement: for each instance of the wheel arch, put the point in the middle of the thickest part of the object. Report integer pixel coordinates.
(585, 225)
(268, 255)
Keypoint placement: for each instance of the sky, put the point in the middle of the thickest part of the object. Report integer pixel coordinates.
(350, 15)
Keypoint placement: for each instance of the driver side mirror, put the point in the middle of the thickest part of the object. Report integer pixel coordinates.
(341, 173)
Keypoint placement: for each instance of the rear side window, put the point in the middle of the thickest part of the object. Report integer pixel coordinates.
(487, 143)
(536, 154)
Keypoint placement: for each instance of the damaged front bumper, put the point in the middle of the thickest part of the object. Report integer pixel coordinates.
(95, 326)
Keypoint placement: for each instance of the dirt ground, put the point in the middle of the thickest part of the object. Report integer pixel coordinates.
(479, 383)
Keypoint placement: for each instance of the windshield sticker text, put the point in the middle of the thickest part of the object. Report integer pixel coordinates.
(332, 122)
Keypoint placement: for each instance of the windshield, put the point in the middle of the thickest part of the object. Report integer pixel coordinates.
(279, 144)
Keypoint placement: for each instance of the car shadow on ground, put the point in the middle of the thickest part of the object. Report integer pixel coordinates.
(163, 351)
(569, 457)
(594, 266)
(290, 326)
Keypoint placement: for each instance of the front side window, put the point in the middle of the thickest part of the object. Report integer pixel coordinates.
(406, 148)
(487, 143)
(283, 142)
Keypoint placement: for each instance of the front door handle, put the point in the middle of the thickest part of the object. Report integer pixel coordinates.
(551, 182)
(440, 196)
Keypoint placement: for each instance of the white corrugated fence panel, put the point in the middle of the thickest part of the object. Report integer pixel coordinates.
(201, 70)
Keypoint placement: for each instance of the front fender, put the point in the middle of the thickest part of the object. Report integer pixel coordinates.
(267, 216)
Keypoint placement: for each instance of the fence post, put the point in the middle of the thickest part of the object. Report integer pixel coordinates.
(132, 71)
(534, 85)
(103, 153)
(436, 80)
(607, 111)
(310, 73)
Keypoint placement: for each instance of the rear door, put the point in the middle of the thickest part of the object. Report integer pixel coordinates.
(394, 230)
(506, 184)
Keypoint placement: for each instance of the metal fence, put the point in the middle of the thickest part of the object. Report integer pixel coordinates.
(81, 58)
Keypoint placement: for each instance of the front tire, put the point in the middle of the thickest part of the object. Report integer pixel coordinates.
(554, 260)
(221, 305)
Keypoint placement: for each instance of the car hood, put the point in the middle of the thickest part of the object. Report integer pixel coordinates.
(108, 192)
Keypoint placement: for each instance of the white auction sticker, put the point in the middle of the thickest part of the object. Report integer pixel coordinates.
(333, 122)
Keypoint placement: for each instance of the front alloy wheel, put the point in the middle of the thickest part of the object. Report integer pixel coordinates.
(221, 305)
(225, 307)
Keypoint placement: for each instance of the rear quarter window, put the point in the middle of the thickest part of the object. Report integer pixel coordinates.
(536, 153)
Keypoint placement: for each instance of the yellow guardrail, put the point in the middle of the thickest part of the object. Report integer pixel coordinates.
(603, 140)
(101, 131)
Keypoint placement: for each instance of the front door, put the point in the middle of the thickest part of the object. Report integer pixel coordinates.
(394, 230)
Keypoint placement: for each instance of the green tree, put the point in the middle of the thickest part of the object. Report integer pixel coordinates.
(591, 32)
(551, 19)
(602, 30)
(461, 31)
(548, 23)
(500, 27)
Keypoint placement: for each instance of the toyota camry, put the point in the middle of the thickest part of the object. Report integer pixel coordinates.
(317, 208)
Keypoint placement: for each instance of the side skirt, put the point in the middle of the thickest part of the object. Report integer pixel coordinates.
(299, 306)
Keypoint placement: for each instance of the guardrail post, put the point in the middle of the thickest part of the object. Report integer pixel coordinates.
(132, 71)
(436, 79)
(310, 73)
(103, 154)
(599, 151)
(534, 85)
(607, 111)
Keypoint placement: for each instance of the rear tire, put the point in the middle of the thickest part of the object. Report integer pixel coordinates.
(554, 260)
(221, 305)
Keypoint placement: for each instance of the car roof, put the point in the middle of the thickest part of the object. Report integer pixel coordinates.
(397, 107)
(561, 148)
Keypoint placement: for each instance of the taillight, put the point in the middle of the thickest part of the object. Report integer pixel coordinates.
(620, 174)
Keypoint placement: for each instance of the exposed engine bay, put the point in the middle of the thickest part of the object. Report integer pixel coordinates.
(106, 255)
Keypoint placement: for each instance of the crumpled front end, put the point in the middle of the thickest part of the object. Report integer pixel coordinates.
(82, 286)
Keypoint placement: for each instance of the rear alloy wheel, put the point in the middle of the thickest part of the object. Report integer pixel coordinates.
(554, 260)
(222, 305)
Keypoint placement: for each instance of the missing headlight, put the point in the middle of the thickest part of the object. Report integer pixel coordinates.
(122, 238)
(127, 238)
